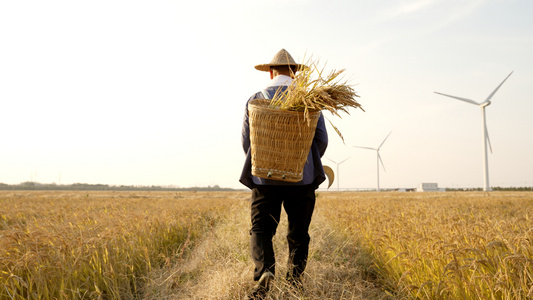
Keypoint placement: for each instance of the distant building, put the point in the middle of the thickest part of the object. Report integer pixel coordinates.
(429, 187)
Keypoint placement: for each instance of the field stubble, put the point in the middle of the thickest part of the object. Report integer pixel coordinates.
(95, 245)
(220, 267)
(443, 245)
(168, 245)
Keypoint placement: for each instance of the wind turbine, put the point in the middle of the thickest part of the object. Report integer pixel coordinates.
(338, 174)
(378, 156)
(485, 134)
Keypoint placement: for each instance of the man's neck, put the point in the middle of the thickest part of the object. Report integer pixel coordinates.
(280, 80)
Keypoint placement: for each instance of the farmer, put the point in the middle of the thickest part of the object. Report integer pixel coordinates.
(297, 198)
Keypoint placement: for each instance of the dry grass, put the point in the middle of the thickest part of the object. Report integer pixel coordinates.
(60, 245)
(221, 268)
(444, 245)
(73, 245)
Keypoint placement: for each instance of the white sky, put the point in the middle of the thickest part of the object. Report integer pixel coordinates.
(153, 92)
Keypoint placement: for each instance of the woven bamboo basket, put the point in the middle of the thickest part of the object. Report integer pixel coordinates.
(280, 141)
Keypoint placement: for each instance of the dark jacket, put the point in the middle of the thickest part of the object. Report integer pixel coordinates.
(313, 172)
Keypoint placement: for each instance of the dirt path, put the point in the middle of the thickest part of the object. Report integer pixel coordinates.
(220, 266)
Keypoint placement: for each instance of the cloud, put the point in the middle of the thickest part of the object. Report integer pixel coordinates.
(459, 11)
(410, 7)
(418, 18)
(426, 10)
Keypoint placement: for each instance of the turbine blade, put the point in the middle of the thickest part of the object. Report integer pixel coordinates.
(344, 160)
(488, 138)
(384, 140)
(497, 88)
(364, 148)
(331, 160)
(383, 165)
(459, 98)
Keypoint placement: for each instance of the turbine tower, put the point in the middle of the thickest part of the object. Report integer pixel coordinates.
(485, 134)
(378, 156)
(338, 174)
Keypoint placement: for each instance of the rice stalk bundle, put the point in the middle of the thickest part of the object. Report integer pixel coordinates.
(311, 91)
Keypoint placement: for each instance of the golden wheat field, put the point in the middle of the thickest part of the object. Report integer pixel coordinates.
(194, 245)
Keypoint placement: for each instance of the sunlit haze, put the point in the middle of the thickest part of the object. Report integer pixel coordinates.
(153, 92)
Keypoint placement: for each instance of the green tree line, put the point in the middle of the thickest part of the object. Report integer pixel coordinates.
(28, 186)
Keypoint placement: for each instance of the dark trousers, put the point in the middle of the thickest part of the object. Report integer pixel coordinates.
(299, 203)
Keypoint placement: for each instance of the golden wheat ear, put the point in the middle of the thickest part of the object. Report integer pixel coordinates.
(314, 90)
(337, 131)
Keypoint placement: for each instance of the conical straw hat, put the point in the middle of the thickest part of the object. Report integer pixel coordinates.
(282, 58)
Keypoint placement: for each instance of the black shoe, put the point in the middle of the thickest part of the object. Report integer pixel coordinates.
(260, 290)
